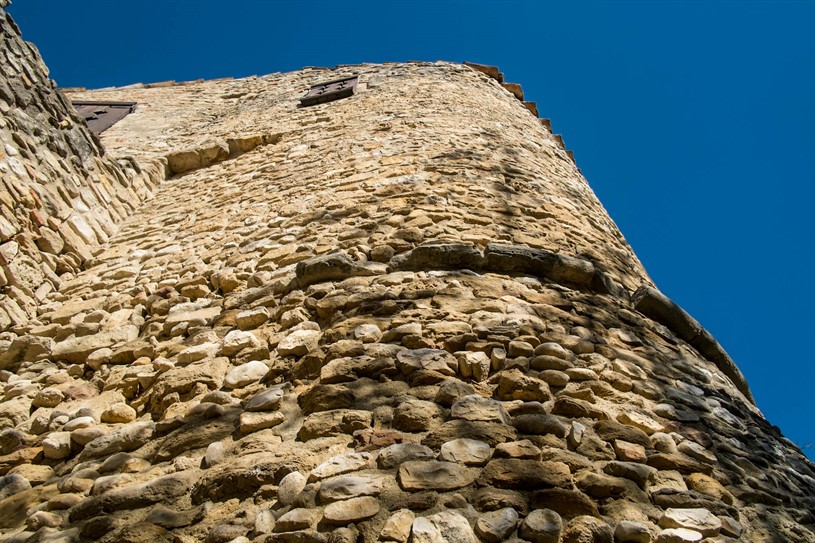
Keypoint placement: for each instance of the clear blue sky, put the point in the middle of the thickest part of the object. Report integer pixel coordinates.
(694, 122)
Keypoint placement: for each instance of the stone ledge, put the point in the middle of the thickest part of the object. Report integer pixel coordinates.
(652, 303)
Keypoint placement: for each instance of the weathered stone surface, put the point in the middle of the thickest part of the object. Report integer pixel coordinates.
(12, 484)
(209, 373)
(119, 412)
(350, 486)
(496, 526)
(252, 422)
(297, 519)
(169, 518)
(540, 425)
(394, 455)
(451, 391)
(514, 385)
(126, 438)
(442, 527)
(568, 503)
(439, 256)
(290, 486)
(398, 525)
(638, 473)
(475, 365)
(352, 510)
(678, 535)
(698, 519)
(246, 374)
(334, 422)
(331, 267)
(267, 400)
(193, 436)
(489, 432)
(470, 452)
(525, 474)
(588, 529)
(409, 361)
(340, 464)
(57, 445)
(479, 409)
(268, 314)
(413, 415)
(299, 343)
(541, 526)
(628, 531)
(434, 475)
(325, 398)
(77, 349)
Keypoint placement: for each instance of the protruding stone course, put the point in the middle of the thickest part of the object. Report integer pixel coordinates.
(417, 329)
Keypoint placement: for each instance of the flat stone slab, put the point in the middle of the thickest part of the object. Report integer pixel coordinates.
(434, 475)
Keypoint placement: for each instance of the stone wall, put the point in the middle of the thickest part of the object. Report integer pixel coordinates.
(60, 196)
(402, 316)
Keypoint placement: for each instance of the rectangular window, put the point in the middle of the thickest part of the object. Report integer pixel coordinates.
(330, 91)
(102, 115)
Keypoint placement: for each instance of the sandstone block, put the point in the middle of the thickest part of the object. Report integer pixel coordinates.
(398, 453)
(478, 408)
(397, 527)
(434, 475)
(442, 528)
(352, 510)
(525, 474)
(698, 519)
(350, 486)
(469, 452)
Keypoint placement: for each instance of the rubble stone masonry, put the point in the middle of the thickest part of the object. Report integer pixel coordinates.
(399, 316)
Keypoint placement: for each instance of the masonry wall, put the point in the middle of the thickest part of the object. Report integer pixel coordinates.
(402, 316)
(60, 196)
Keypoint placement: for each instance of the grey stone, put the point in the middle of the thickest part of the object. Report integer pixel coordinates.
(394, 455)
(349, 486)
(330, 267)
(340, 464)
(267, 400)
(495, 526)
(11, 484)
(541, 526)
(628, 531)
(439, 256)
(290, 487)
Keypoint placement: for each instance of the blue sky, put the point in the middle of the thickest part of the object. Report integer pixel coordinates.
(692, 121)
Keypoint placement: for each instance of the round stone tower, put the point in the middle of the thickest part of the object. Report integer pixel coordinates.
(371, 303)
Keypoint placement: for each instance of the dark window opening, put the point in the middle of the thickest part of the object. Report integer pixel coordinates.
(330, 91)
(102, 115)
